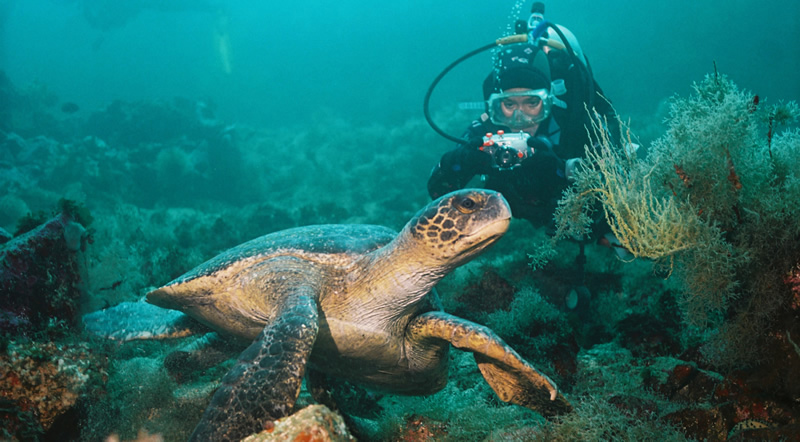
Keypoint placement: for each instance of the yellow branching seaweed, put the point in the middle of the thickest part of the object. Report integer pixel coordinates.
(715, 198)
(651, 221)
(647, 223)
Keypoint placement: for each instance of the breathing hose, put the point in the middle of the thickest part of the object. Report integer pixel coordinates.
(511, 39)
(520, 38)
(564, 44)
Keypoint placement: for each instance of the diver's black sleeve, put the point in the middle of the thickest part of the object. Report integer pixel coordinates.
(545, 174)
(456, 168)
(459, 165)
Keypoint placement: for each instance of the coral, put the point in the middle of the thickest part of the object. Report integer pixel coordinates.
(713, 202)
(613, 404)
(420, 429)
(646, 223)
(491, 292)
(529, 315)
(596, 419)
(48, 378)
(170, 195)
(313, 423)
(75, 210)
(141, 436)
(19, 421)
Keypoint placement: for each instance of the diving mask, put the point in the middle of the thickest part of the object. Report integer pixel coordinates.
(519, 110)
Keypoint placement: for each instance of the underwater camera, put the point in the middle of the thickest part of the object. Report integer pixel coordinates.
(507, 150)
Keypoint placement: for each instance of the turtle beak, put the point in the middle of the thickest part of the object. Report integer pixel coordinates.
(497, 228)
(489, 234)
(498, 209)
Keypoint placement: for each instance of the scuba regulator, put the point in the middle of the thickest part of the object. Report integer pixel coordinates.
(533, 30)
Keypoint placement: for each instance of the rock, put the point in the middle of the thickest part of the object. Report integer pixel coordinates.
(41, 275)
(18, 420)
(681, 381)
(748, 404)
(646, 336)
(5, 236)
(766, 432)
(777, 376)
(44, 380)
(11, 145)
(792, 280)
(313, 423)
(715, 407)
(700, 424)
(420, 429)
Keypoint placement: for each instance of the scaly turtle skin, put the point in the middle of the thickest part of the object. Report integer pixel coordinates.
(350, 301)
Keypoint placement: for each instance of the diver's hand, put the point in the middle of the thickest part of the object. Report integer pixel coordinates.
(543, 163)
(569, 169)
(476, 157)
(539, 144)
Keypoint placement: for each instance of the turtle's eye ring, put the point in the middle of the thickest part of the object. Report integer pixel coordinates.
(466, 205)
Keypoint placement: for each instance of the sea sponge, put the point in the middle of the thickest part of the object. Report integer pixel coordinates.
(74, 234)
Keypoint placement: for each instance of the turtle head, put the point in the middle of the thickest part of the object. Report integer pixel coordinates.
(458, 226)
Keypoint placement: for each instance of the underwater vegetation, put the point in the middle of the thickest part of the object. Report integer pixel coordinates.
(714, 205)
(697, 338)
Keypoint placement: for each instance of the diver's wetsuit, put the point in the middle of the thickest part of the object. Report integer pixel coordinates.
(535, 186)
(532, 189)
(582, 96)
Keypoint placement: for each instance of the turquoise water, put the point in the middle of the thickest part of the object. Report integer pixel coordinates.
(188, 127)
(275, 63)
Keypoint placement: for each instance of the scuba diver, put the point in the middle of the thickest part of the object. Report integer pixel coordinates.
(511, 145)
(533, 131)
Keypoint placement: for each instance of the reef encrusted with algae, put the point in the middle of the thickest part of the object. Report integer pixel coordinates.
(45, 380)
(43, 371)
(315, 422)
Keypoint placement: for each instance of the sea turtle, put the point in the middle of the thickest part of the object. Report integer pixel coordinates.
(351, 301)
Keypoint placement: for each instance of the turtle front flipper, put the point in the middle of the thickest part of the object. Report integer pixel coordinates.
(265, 382)
(510, 376)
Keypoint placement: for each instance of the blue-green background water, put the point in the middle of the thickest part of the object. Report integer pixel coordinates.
(318, 119)
(374, 60)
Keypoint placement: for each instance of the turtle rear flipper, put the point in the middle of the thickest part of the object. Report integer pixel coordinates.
(265, 382)
(510, 376)
(130, 321)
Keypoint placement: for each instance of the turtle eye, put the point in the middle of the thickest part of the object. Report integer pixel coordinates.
(466, 205)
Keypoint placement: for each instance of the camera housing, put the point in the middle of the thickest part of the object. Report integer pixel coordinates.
(507, 150)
